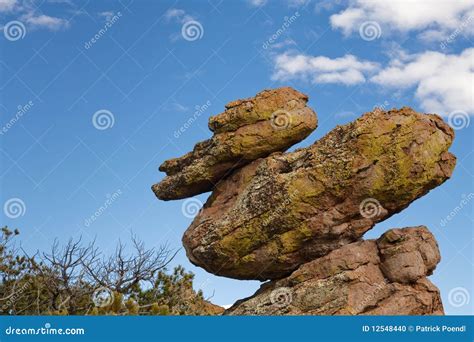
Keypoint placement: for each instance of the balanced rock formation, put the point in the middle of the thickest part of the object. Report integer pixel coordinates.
(249, 129)
(374, 277)
(271, 216)
(297, 218)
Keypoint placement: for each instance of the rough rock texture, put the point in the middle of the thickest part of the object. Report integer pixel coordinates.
(271, 121)
(374, 277)
(277, 213)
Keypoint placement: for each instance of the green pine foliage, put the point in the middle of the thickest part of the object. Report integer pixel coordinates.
(67, 281)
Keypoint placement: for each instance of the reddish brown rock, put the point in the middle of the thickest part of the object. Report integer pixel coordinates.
(277, 213)
(249, 129)
(354, 280)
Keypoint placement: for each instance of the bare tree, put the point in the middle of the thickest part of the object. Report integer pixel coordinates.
(63, 269)
(65, 279)
(123, 271)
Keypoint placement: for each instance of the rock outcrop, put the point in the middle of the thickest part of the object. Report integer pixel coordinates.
(374, 277)
(249, 129)
(297, 219)
(273, 215)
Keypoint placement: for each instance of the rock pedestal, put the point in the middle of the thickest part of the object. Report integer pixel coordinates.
(374, 277)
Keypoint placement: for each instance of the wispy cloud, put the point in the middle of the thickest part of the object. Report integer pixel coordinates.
(38, 21)
(178, 15)
(107, 15)
(346, 70)
(257, 3)
(28, 13)
(290, 3)
(7, 5)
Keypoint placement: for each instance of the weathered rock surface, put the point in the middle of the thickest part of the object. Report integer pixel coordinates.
(374, 277)
(277, 213)
(249, 129)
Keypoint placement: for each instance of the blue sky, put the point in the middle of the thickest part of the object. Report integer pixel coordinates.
(93, 93)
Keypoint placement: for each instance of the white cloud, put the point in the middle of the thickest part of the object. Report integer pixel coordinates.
(257, 3)
(280, 45)
(347, 70)
(291, 3)
(444, 83)
(37, 21)
(7, 5)
(27, 12)
(298, 3)
(108, 15)
(407, 15)
(178, 15)
(173, 13)
(178, 107)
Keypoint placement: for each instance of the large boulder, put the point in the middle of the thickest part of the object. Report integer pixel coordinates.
(249, 129)
(374, 277)
(277, 213)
